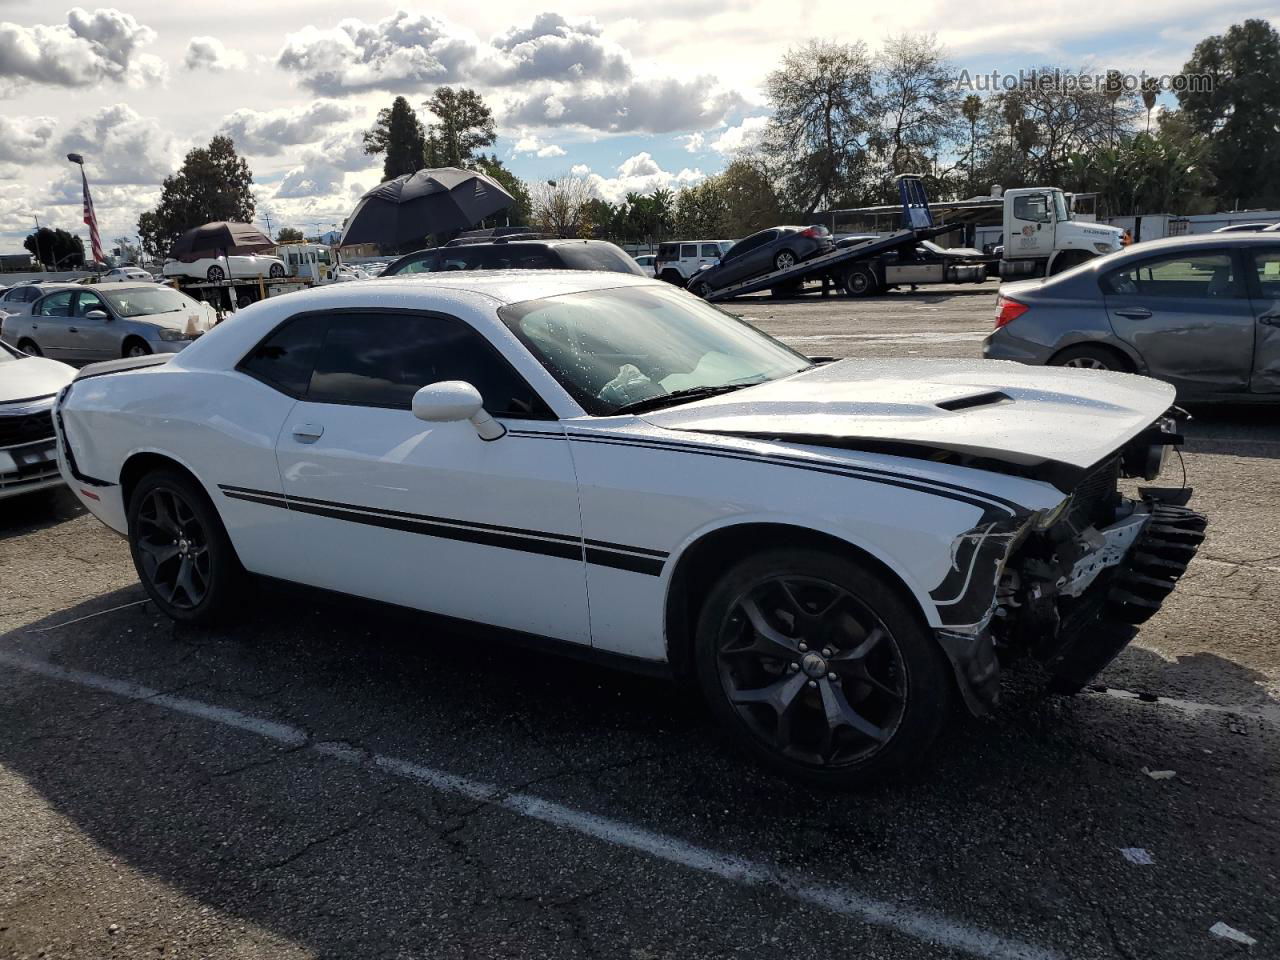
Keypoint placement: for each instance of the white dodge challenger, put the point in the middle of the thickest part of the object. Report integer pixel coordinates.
(830, 553)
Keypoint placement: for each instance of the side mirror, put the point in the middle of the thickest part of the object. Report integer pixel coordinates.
(97, 315)
(451, 400)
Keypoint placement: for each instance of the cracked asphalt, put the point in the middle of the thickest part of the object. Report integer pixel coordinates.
(330, 779)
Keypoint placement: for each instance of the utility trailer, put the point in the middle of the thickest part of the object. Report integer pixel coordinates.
(873, 264)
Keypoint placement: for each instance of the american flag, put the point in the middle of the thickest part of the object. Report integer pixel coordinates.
(91, 221)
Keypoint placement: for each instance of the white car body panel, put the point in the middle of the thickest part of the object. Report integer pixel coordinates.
(27, 388)
(242, 267)
(637, 490)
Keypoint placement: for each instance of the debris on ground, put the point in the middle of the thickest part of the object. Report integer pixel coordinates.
(1158, 774)
(1220, 929)
(1138, 856)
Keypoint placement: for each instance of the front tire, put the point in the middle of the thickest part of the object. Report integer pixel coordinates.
(181, 550)
(785, 260)
(700, 289)
(134, 347)
(276, 271)
(859, 282)
(818, 668)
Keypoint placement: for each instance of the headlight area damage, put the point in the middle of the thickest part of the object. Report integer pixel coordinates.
(1067, 587)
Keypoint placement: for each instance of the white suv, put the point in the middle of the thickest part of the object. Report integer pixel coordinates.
(679, 260)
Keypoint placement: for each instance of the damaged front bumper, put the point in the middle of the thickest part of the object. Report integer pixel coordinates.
(1072, 607)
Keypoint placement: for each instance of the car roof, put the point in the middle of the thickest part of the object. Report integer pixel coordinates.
(513, 286)
(1201, 240)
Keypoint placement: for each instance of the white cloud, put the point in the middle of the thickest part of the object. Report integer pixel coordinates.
(554, 48)
(209, 53)
(121, 146)
(649, 106)
(530, 144)
(88, 49)
(639, 174)
(691, 141)
(267, 133)
(580, 169)
(322, 172)
(551, 150)
(25, 139)
(745, 136)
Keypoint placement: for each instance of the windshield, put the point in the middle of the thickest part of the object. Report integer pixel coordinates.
(1060, 206)
(144, 301)
(615, 348)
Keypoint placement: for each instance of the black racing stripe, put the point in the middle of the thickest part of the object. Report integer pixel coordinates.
(637, 559)
(624, 561)
(605, 544)
(797, 462)
(43, 396)
(961, 494)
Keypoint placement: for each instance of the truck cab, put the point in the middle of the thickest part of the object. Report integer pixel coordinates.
(1042, 236)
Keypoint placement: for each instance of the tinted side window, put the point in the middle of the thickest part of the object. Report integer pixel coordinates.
(1195, 275)
(1266, 264)
(89, 301)
(285, 358)
(710, 250)
(425, 263)
(383, 360)
(668, 251)
(688, 250)
(597, 256)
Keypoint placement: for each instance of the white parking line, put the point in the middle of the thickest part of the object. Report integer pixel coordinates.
(917, 924)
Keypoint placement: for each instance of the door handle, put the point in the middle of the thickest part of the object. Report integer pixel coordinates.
(72, 330)
(1270, 319)
(1134, 313)
(307, 432)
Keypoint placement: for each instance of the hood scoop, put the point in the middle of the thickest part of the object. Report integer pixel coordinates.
(976, 400)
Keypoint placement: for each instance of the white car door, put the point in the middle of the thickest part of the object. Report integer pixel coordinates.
(429, 515)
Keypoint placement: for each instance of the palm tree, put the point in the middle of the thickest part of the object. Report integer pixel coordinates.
(1012, 113)
(1115, 87)
(971, 108)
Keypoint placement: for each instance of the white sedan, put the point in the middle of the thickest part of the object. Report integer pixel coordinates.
(28, 386)
(214, 269)
(829, 553)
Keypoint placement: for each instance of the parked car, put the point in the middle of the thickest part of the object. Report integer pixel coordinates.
(214, 269)
(679, 260)
(127, 273)
(777, 248)
(1245, 228)
(1201, 312)
(109, 320)
(647, 262)
(17, 301)
(344, 273)
(829, 553)
(28, 386)
(518, 255)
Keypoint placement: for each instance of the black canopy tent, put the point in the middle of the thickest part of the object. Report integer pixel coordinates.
(409, 207)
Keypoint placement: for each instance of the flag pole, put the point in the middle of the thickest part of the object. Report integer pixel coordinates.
(90, 218)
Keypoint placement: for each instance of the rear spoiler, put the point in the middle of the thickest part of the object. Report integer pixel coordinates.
(119, 366)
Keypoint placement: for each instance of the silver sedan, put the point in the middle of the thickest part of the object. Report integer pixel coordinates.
(86, 324)
(1201, 312)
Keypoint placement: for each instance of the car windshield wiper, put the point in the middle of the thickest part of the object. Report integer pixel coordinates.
(682, 396)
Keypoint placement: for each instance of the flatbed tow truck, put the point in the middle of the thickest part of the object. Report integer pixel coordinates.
(227, 296)
(863, 267)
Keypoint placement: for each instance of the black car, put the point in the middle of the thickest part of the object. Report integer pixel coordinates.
(774, 249)
(503, 254)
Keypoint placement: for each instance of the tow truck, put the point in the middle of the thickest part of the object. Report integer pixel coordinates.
(867, 265)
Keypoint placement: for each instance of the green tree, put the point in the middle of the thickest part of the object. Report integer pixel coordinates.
(918, 103)
(823, 111)
(748, 199)
(56, 248)
(971, 110)
(464, 124)
(289, 235)
(1240, 111)
(398, 136)
(213, 183)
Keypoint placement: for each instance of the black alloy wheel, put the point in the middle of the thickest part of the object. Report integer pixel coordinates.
(276, 271)
(180, 548)
(216, 274)
(819, 668)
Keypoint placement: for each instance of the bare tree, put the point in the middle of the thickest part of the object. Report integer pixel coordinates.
(918, 100)
(560, 206)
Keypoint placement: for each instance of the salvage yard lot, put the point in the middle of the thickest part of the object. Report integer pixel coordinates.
(330, 780)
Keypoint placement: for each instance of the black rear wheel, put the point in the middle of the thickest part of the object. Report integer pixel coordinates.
(30, 347)
(819, 669)
(785, 260)
(1088, 357)
(216, 274)
(859, 282)
(181, 550)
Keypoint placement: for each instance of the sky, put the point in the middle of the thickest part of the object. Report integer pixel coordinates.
(633, 95)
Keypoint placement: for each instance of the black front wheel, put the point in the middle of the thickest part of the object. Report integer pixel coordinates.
(276, 271)
(859, 282)
(819, 668)
(216, 275)
(181, 550)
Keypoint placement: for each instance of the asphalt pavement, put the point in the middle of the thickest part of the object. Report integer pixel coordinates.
(329, 779)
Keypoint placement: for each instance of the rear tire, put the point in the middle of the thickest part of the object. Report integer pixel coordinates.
(1089, 357)
(818, 668)
(216, 274)
(701, 289)
(859, 282)
(30, 347)
(181, 550)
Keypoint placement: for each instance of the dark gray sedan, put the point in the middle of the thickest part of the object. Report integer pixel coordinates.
(777, 248)
(1202, 312)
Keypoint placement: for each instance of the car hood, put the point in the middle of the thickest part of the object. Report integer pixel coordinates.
(32, 377)
(1060, 420)
(190, 321)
